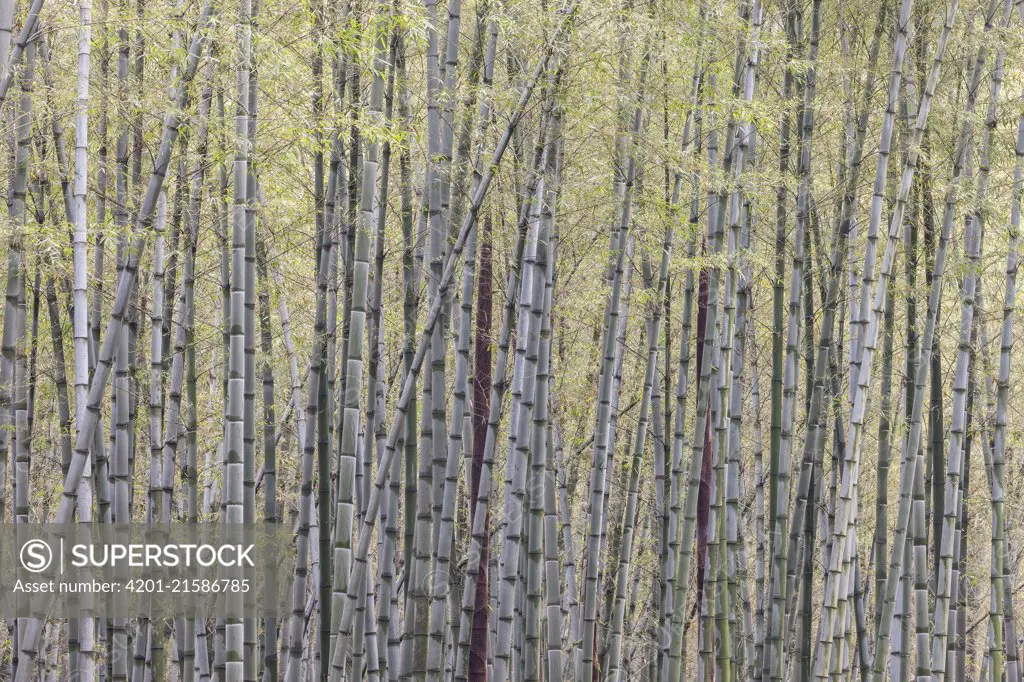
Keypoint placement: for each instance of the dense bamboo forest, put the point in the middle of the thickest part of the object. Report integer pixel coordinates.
(575, 340)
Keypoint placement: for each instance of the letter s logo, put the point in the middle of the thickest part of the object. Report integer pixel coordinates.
(36, 556)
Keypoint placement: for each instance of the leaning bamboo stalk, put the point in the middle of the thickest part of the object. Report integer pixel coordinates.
(881, 177)
(878, 196)
(945, 579)
(295, 384)
(26, 37)
(498, 388)
(60, 372)
(911, 461)
(914, 437)
(524, 383)
(840, 546)
(87, 429)
(59, 141)
(479, 192)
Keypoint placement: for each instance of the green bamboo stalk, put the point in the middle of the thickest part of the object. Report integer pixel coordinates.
(60, 372)
(325, 226)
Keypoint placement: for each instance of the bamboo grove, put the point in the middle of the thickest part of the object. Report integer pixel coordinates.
(570, 340)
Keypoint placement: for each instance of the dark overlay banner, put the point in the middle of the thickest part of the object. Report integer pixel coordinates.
(204, 570)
